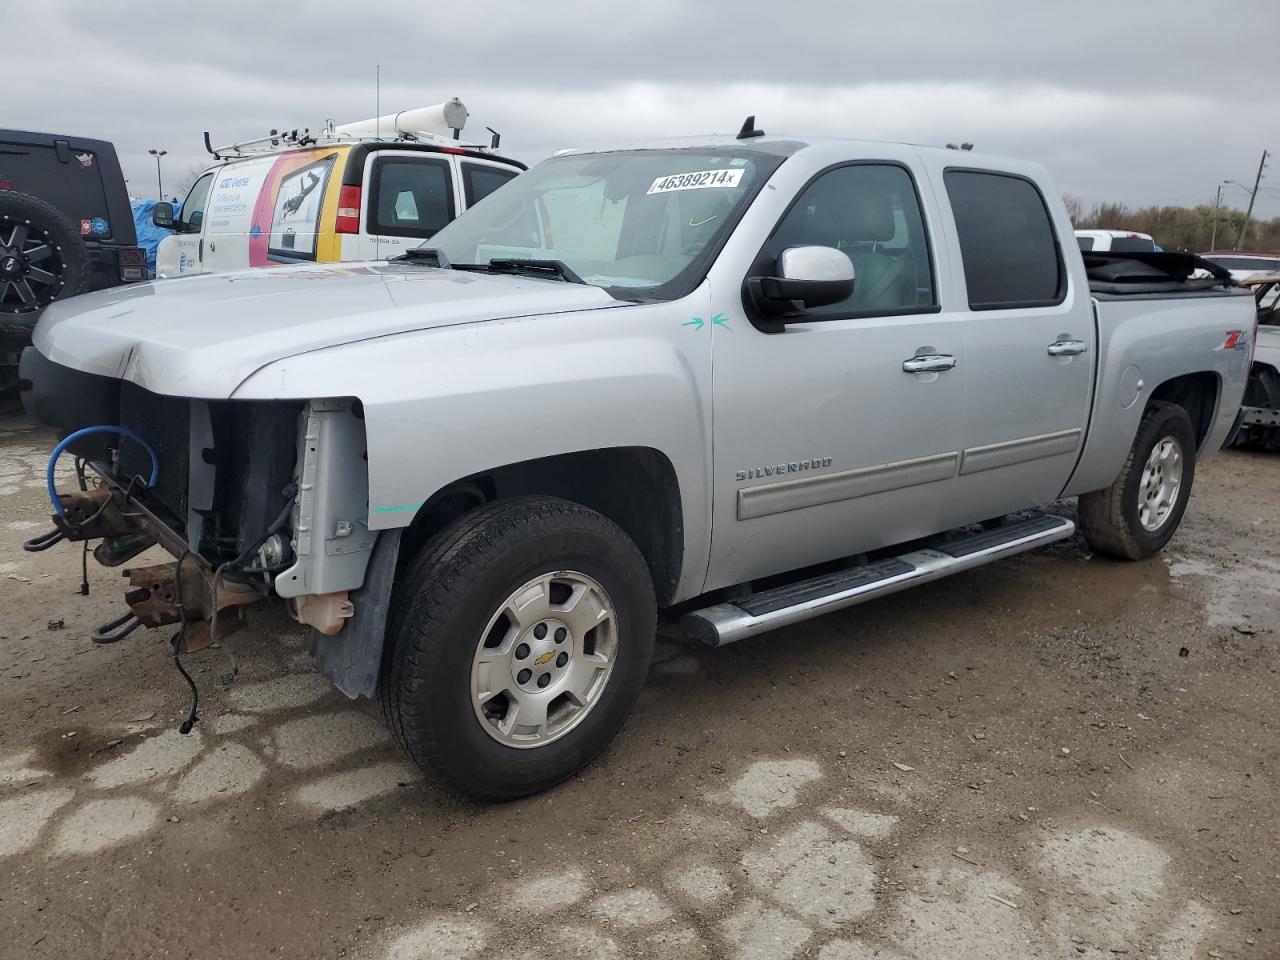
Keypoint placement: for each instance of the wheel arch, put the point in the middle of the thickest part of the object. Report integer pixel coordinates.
(636, 487)
(1198, 394)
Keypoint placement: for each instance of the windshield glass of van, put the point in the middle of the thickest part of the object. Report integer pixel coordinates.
(642, 224)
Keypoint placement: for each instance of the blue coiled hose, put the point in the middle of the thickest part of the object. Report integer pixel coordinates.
(72, 438)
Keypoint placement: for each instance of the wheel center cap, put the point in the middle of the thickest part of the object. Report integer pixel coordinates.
(545, 658)
(10, 267)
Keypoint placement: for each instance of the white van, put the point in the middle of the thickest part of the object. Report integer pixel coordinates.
(1115, 241)
(343, 194)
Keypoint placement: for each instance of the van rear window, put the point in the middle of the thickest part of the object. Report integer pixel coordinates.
(479, 181)
(411, 197)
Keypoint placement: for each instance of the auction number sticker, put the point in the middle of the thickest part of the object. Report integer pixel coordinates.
(698, 180)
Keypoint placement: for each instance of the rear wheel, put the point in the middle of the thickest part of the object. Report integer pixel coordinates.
(518, 642)
(1135, 517)
(42, 259)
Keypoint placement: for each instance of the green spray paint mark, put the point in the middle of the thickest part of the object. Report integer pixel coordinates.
(397, 509)
(719, 320)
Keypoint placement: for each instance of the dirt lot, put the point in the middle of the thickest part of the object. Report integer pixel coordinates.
(1058, 756)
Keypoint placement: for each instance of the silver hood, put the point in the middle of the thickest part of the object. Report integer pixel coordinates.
(202, 336)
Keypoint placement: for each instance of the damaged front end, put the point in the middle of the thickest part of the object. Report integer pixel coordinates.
(254, 499)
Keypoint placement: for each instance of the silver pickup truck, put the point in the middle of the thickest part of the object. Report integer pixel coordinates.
(728, 382)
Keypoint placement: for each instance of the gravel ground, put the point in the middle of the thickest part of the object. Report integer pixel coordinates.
(1056, 756)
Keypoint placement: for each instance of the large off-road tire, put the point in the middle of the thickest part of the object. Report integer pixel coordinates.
(42, 259)
(519, 603)
(1135, 517)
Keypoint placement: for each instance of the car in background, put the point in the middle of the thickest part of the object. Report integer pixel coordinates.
(1245, 265)
(367, 190)
(66, 227)
(1114, 241)
(1258, 424)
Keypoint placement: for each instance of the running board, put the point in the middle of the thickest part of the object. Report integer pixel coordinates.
(780, 606)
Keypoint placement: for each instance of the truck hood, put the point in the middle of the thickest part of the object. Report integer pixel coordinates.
(202, 336)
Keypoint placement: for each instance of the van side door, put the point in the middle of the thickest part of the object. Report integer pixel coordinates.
(1029, 340)
(408, 196)
(182, 253)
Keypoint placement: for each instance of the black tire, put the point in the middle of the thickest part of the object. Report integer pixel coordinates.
(67, 261)
(1109, 518)
(443, 601)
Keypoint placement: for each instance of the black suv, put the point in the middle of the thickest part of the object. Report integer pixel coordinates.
(66, 227)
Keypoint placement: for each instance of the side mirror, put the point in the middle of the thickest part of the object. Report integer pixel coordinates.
(162, 215)
(806, 277)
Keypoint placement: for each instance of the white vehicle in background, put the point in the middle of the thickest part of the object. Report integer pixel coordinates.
(1114, 241)
(1245, 266)
(360, 191)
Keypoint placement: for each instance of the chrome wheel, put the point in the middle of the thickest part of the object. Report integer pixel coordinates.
(1160, 484)
(544, 659)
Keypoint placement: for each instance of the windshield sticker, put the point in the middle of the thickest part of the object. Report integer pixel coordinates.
(698, 180)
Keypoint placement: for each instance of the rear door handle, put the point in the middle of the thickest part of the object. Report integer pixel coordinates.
(1067, 348)
(929, 363)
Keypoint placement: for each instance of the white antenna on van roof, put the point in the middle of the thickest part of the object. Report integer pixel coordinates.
(377, 102)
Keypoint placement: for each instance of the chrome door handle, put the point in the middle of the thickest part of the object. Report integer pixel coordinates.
(1067, 348)
(929, 363)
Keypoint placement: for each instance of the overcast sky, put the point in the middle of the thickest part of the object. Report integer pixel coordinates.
(1128, 100)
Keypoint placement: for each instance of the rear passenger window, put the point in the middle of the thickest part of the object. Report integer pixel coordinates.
(480, 181)
(1010, 252)
(411, 198)
(871, 213)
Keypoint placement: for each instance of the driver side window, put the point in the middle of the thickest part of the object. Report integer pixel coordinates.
(871, 213)
(192, 216)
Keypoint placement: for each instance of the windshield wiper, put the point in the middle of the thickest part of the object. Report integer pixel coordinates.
(496, 265)
(518, 264)
(425, 253)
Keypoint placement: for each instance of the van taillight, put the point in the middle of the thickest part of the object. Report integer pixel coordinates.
(349, 209)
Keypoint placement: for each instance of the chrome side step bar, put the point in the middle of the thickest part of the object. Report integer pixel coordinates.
(747, 616)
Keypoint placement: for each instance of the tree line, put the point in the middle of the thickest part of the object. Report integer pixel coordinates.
(1180, 228)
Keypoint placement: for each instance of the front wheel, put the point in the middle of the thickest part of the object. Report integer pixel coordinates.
(518, 643)
(1135, 517)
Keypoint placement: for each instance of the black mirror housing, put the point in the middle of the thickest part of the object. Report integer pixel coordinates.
(808, 293)
(162, 215)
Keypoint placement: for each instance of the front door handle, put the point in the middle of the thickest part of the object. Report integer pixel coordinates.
(1067, 348)
(929, 363)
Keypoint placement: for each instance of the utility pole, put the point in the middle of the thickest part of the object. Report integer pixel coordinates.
(159, 183)
(1257, 181)
(1217, 207)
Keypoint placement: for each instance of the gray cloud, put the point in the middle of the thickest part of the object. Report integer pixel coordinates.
(1140, 102)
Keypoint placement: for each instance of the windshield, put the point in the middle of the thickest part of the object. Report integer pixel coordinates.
(642, 224)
